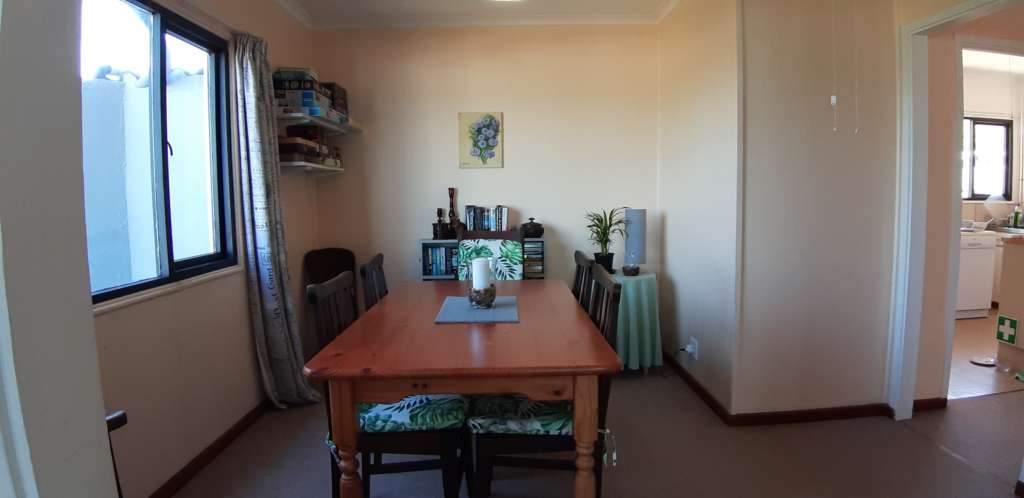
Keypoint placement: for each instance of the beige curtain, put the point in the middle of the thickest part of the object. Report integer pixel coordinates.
(274, 328)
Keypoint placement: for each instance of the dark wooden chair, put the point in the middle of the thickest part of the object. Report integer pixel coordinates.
(583, 280)
(115, 421)
(504, 450)
(334, 312)
(375, 286)
(324, 264)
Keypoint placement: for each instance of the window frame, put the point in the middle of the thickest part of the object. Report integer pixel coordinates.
(164, 22)
(1008, 189)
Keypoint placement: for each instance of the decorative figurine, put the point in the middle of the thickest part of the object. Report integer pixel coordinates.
(453, 218)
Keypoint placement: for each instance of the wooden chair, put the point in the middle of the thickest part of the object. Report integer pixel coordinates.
(334, 312)
(583, 280)
(507, 246)
(375, 286)
(324, 264)
(500, 448)
(115, 421)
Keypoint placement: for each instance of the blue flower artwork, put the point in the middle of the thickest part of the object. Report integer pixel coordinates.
(481, 141)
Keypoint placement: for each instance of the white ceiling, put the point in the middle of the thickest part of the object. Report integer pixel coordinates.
(991, 61)
(365, 13)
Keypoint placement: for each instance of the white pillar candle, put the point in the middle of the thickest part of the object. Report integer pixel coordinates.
(481, 273)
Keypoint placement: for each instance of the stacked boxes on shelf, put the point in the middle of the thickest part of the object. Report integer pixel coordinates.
(299, 91)
(304, 144)
(533, 258)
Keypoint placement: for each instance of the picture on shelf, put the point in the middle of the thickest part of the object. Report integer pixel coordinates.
(481, 140)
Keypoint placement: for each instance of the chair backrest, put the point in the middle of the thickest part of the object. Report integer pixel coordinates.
(322, 265)
(605, 314)
(506, 247)
(375, 286)
(332, 306)
(583, 281)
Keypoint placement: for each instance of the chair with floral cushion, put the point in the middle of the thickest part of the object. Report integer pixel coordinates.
(505, 427)
(416, 425)
(505, 247)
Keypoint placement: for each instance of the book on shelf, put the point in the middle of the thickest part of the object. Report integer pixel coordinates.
(486, 219)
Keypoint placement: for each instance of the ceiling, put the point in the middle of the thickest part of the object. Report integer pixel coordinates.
(991, 61)
(323, 14)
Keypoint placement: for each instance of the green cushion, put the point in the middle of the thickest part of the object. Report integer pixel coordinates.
(415, 413)
(509, 254)
(519, 415)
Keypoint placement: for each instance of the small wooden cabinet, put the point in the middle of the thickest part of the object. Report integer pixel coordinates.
(439, 259)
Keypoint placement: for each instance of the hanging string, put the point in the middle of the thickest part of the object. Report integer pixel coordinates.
(834, 99)
(856, 72)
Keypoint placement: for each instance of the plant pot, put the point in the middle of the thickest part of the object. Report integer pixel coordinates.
(605, 259)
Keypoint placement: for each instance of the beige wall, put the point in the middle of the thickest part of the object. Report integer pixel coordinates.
(182, 365)
(51, 411)
(698, 186)
(817, 241)
(580, 109)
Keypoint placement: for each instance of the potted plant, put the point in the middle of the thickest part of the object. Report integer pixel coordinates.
(603, 226)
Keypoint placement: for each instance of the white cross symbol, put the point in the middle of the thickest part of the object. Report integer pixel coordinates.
(1007, 330)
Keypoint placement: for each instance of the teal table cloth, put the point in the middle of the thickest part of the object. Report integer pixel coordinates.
(639, 335)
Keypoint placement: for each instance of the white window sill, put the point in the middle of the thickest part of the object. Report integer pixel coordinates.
(997, 202)
(163, 290)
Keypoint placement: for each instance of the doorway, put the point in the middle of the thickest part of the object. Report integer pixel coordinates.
(992, 85)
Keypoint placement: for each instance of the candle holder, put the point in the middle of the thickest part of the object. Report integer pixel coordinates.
(481, 299)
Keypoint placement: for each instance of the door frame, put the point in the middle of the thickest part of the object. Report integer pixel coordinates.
(910, 235)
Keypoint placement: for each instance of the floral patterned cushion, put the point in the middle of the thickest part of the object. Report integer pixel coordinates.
(414, 413)
(519, 415)
(508, 253)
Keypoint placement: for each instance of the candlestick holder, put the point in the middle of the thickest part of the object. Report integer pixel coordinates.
(481, 299)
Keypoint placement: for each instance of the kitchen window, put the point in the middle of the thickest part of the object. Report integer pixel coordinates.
(987, 159)
(158, 196)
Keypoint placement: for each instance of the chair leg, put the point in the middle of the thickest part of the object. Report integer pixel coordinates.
(467, 459)
(483, 470)
(335, 477)
(367, 472)
(451, 473)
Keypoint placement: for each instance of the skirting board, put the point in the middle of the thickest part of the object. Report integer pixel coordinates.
(793, 416)
(183, 476)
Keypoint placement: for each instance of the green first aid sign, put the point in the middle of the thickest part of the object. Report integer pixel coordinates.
(1006, 331)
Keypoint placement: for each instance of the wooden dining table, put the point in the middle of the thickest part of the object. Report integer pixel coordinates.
(396, 350)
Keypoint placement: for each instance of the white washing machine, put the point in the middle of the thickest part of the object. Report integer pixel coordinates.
(977, 268)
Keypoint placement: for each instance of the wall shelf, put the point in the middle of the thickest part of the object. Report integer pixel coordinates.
(331, 127)
(310, 167)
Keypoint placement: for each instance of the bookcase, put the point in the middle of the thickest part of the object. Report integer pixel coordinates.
(439, 259)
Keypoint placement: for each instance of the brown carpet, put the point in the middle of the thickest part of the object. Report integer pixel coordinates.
(671, 445)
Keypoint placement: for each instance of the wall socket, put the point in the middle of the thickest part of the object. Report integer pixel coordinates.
(692, 349)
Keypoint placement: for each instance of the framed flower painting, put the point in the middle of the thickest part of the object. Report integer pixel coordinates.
(481, 140)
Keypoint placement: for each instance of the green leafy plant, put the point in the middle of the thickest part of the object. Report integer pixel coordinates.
(605, 225)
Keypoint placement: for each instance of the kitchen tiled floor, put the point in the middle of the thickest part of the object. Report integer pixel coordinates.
(976, 337)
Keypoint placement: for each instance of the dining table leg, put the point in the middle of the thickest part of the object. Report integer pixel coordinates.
(584, 421)
(345, 430)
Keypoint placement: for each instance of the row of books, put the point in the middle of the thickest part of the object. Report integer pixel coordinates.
(487, 219)
(533, 259)
(441, 261)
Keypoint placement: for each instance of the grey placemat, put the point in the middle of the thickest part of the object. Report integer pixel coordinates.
(456, 309)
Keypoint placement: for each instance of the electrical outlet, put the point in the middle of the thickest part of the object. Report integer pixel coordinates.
(692, 349)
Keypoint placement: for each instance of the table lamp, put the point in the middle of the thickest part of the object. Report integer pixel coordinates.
(636, 241)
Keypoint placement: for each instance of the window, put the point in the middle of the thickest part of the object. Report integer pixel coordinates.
(158, 202)
(987, 153)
